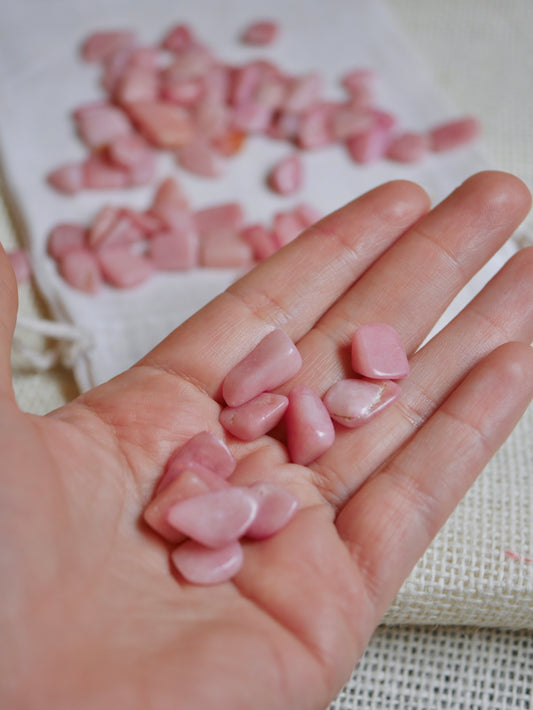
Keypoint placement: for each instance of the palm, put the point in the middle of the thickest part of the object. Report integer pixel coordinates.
(288, 629)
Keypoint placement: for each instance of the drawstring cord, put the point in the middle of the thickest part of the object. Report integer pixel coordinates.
(70, 344)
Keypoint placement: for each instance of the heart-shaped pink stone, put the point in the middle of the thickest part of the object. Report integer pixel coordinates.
(215, 519)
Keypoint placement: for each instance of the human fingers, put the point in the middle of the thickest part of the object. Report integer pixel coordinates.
(390, 521)
(293, 288)
(501, 312)
(8, 317)
(414, 281)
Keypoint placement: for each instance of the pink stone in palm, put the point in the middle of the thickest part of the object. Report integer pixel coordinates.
(254, 418)
(202, 451)
(353, 402)
(271, 363)
(187, 485)
(276, 508)
(378, 353)
(216, 518)
(310, 431)
(202, 565)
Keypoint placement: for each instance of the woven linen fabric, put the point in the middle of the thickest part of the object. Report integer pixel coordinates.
(423, 668)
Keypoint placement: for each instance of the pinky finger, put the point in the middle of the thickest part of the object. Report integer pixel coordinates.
(390, 521)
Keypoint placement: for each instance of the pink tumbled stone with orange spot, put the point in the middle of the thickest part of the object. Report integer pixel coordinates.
(310, 431)
(276, 507)
(202, 565)
(254, 418)
(216, 518)
(271, 363)
(353, 402)
(378, 353)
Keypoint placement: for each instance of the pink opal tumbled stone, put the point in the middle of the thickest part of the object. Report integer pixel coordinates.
(276, 508)
(68, 178)
(202, 451)
(66, 237)
(353, 402)
(378, 353)
(224, 249)
(260, 239)
(310, 431)
(216, 518)
(203, 565)
(187, 485)
(271, 363)
(170, 252)
(80, 269)
(254, 418)
(453, 134)
(286, 176)
(123, 268)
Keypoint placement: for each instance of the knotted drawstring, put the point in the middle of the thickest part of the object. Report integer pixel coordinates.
(71, 343)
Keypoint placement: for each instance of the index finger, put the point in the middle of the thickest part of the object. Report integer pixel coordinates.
(293, 288)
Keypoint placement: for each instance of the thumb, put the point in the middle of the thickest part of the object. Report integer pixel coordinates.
(8, 317)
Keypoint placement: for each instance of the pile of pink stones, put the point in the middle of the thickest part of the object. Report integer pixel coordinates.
(123, 247)
(196, 508)
(178, 96)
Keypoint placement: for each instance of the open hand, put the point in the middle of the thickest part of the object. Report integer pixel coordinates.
(92, 615)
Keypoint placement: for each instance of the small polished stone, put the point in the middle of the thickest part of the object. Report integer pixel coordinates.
(202, 451)
(254, 418)
(353, 402)
(214, 519)
(310, 431)
(186, 485)
(276, 508)
(203, 565)
(271, 363)
(378, 353)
